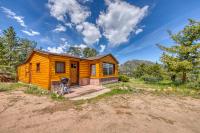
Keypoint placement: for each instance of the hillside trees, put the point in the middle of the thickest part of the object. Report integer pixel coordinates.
(183, 57)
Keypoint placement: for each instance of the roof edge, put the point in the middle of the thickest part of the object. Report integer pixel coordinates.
(66, 55)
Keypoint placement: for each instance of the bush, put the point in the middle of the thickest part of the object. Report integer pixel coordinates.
(55, 96)
(193, 85)
(36, 91)
(123, 78)
(149, 78)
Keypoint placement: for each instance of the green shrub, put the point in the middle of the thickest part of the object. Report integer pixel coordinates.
(55, 96)
(36, 91)
(193, 85)
(123, 78)
(150, 78)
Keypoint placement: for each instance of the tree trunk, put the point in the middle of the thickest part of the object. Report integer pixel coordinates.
(184, 77)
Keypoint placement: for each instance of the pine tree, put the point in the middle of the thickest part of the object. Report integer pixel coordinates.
(13, 50)
(9, 42)
(184, 55)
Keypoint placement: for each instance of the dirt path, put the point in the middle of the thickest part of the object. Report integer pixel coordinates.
(124, 113)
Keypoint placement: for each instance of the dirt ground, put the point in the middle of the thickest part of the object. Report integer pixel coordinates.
(137, 113)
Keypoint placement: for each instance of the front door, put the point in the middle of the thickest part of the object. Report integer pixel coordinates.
(74, 73)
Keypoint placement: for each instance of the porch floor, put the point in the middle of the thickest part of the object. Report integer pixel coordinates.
(86, 92)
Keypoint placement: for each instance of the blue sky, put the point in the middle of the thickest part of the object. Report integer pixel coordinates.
(129, 29)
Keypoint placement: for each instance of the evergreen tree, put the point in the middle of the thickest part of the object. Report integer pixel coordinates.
(13, 50)
(9, 44)
(25, 47)
(184, 55)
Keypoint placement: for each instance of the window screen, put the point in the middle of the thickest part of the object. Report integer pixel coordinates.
(108, 69)
(93, 70)
(60, 67)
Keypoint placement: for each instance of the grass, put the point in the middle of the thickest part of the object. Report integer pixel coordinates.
(11, 86)
(57, 97)
(164, 87)
(30, 89)
(36, 91)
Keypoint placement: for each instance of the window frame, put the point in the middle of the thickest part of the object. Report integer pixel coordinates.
(56, 71)
(92, 69)
(37, 66)
(108, 69)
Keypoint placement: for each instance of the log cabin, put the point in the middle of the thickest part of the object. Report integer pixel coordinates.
(45, 69)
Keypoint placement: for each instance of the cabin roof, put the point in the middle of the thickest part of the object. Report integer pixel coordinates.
(102, 56)
(68, 55)
(51, 53)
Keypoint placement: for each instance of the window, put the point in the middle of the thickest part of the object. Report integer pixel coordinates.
(38, 67)
(73, 65)
(60, 67)
(108, 69)
(93, 70)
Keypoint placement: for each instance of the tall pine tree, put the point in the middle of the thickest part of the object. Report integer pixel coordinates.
(13, 50)
(184, 56)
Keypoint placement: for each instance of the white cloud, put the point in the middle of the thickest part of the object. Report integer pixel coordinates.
(85, 1)
(12, 15)
(64, 9)
(79, 27)
(61, 8)
(20, 19)
(63, 39)
(31, 32)
(102, 48)
(68, 25)
(60, 28)
(90, 32)
(120, 19)
(82, 46)
(59, 49)
(138, 31)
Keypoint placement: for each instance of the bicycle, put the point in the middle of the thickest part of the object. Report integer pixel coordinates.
(64, 87)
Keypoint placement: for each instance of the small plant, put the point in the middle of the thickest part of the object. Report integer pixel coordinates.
(55, 96)
(124, 78)
(36, 91)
